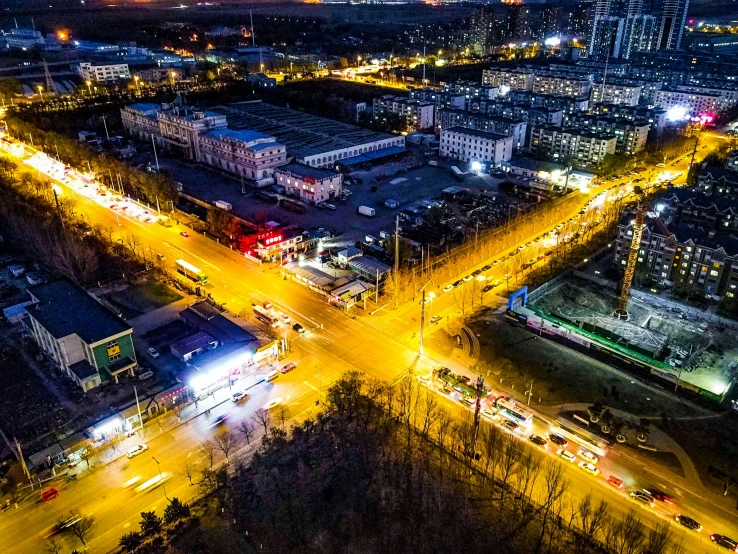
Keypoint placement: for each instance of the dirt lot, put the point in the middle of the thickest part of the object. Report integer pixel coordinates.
(139, 299)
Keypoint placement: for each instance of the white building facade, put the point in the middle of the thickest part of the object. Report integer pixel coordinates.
(471, 145)
(103, 72)
(309, 183)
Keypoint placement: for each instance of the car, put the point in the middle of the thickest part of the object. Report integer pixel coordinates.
(62, 525)
(448, 288)
(287, 368)
(566, 455)
(587, 455)
(238, 396)
(298, 328)
(532, 261)
(496, 283)
(660, 495)
(49, 494)
(185, 234)
(660, 165)
(330, 207)
(496, 262)
(521, 247)
(486, 267)
(286, 318)
(537, 439)
(529, 243)
(688, 522)
(427, 300)
(152, 352)
(510, 425)
(469, 400)
(468, 278)
(615, 482)
(161, 257)
(136, 450)
(487, 288)
(457, 283)
(643, 497)
(222, 418)
(725, 542)
(558, 439)
(436, 319)
(491, 414)
(476, 272)
(272, 375)
(589, 468)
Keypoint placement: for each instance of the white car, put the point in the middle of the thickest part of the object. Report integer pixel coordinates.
(587, 455)
(589, 468)
(566, 455)
(238, 396)
(286, 318)
(136, 450)
(153, 353)
(486, 412)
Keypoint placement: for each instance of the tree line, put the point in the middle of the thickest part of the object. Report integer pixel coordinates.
(389, 468)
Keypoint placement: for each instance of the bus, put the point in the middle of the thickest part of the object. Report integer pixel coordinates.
(580, 436)
(459, 383)
(265, 316)
(192, 272)
(511, 410)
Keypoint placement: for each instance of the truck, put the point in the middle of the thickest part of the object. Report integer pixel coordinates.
(192, 272)
(458, 174)
(366, 211)
(292, 206)
(223, 205)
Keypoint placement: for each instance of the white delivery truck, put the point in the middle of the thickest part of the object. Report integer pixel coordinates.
(366, 211)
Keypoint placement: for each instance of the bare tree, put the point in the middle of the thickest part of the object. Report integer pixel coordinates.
(555, 485)
(658, 539)
(224, 442)
(592, 521)
(283, 414)
(133, 241)
(511, 455)
(262, 417)
(208, 449)
(247, 430)
(82, 527)
(625, 536)
(53, 547)
(430, 412)
(187, 469)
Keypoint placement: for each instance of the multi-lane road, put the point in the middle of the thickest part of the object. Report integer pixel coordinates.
(383, 347)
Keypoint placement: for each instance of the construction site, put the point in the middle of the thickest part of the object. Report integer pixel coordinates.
(674, 344)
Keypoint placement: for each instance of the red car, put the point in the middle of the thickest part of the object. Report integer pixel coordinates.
(289, 367)
(185, 234)
(615, 482)
(49, 494)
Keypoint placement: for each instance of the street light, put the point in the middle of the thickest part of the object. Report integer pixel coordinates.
(89, 90)
(41, 92)
(136, 78)
(161, 477)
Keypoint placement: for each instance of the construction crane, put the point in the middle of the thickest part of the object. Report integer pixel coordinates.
(638, 225)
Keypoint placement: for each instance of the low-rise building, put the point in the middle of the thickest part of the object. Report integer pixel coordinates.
(181, 127)
(261, 80)
(472, 90)
(572, 85)
(631, 135)
(140, 121)
(695, 104)
(509, 79)
(615, 92)
(566, 104)
(158, 74)
(719, 182)
(417, 114)
(439, 99)
(471, 145)
(103, 72)
(515, 128)
(538, 170)
(246, 153)
(312, 184)
(581, 148)
(83, 338)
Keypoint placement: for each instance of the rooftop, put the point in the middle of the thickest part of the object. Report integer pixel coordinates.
(144, 107)
(65, 309)
(303, 134)
(240, 135)
(535, 165)
(475, 133)
(302, 170)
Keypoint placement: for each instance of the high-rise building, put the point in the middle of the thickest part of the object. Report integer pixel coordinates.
(638, 35)
(672, 17)
(549, 22)
(606, 37)
(481, 29)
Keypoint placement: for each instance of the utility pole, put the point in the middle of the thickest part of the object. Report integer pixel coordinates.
(477, 408)
(422, 322)
(155, 156)
(58, 207)
(529, 392)
(424, 66)
(106, 128)
(138, 406)
(22, 459)
(376, 289)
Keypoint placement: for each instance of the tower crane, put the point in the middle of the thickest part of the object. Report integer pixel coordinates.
(638, 225)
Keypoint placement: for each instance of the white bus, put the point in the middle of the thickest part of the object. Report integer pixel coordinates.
(580, 436)
(192, 272)
(511, 410)
(265, 316)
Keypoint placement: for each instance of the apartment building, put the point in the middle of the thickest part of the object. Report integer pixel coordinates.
(471, 145)
(615, 92)
(691, 259)
(471, 90)
(439, 99)
(700, 209)
(103, 72)
(631, 135)
(718, 182)
(566, 104)
(312, 184)
(532, 115)
(695, 103)
(515, 128)
(509, 79)
(727, 93)
(572, 85)
(248, 154)
(581, 148)
(417, 114)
